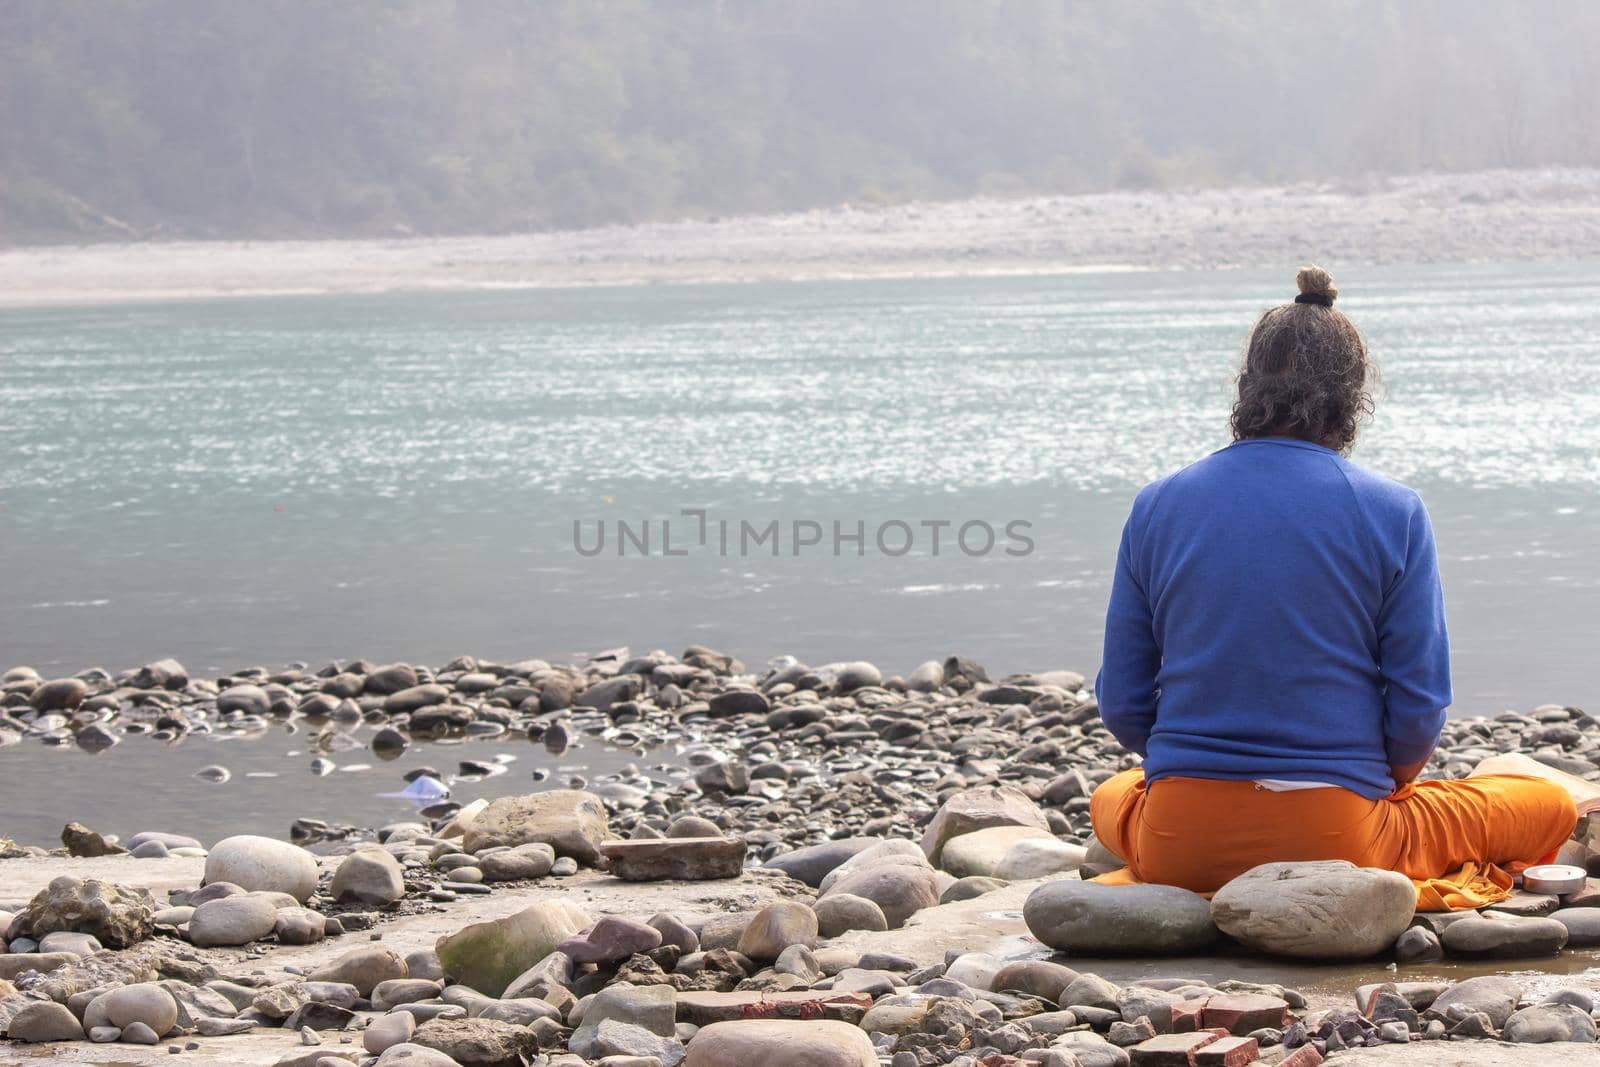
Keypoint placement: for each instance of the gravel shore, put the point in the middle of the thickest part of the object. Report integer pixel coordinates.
(1494, 216)
(887, 869)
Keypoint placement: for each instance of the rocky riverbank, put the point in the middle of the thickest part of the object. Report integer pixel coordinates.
(1492, 216)
(877, 869)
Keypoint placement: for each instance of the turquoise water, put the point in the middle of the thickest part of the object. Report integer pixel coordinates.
(397, 476)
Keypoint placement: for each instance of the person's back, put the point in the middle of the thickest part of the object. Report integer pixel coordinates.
(1299, 571)
(1276, 651)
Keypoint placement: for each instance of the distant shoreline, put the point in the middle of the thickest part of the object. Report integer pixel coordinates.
(1504, 216)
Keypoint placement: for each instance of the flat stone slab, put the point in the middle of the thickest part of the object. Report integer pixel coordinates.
(688, 859)
(703, 1008)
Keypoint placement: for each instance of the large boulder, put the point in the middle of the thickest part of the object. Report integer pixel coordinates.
(1326, 909)
(263, 864)
(975, 809)
(568, 820)
(117, 916)
(786, 1042)
(488, 956)
(1088, 919)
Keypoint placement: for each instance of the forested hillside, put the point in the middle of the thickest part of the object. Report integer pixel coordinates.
(144, 119)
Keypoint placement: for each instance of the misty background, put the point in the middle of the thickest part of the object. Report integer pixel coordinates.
(144, 119)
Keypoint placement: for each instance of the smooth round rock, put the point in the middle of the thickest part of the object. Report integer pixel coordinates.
(262, 863)
(235, 920)
(368, 876)
(1583, 926)
(145, 1003)
(1326, 909)
(776, 927)
(1545, 1023)
(1504, 937)
(386, 1031)
(1135, 920)
(811, 1043)
(899, 890)
(838, 913)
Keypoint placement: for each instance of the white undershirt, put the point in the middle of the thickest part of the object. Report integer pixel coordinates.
(1279, 785)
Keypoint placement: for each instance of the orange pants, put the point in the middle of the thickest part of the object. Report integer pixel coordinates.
(1454, 839)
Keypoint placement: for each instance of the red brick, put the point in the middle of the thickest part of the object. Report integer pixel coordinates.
(1228, 1052)
(1186, 1016)
(1242, 1013)
(1170, 1050)
(1304, 1056)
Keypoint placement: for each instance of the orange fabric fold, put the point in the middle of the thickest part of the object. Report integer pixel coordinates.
(1458, 841)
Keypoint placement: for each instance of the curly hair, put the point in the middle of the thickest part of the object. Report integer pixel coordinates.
(1306, 371)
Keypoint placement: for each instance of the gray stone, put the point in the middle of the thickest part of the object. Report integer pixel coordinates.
(813, 863)
(44, 1020)
(838, 913)
(968, 888)
(137, 1033)
(813, 1043)
(489, 956)
(368, 876)
(1418, 944)
(261, 863)
(1328, 909)
(570, 821)
(1489, 994)
(407, 1054)
(363, 968)
(611, 940)
(1504, 937)
(299, 926)
(652, 1008)
(1583, 926)
(776, 927)
(522, 863)
(235, 920)
(1548, 1023)
(387, 1031)
(981, 851)
(899, 891)
(478, 1041)
(676, 858)
(976, 809)
(146, 1003)
(117, 916)
(1087, 918)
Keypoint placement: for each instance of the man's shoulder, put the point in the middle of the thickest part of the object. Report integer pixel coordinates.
(1383, 496)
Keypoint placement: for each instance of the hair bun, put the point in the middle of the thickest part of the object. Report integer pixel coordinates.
(1316, 283)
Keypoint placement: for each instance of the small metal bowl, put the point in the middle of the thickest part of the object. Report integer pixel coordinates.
(1556, 879)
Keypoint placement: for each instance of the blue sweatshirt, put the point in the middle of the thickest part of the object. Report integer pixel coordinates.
(1276, 613)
